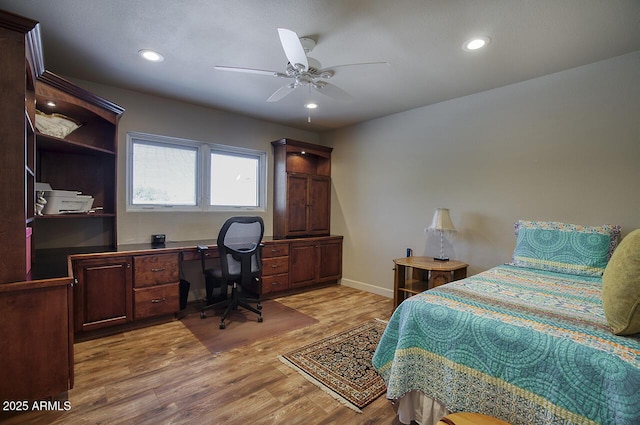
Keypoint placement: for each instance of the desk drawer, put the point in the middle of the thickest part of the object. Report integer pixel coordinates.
(275, 250)
(157, 269)
(276, 265)
(275, 283)
(156, 300)
(194, 255)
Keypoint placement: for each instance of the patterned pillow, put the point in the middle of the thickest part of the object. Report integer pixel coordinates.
(564, 248)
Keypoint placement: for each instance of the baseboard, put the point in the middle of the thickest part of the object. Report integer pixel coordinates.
(367, 287)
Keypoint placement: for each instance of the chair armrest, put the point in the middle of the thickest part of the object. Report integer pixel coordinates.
(202, 249)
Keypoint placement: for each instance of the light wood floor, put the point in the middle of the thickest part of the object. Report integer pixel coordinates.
(164, 375)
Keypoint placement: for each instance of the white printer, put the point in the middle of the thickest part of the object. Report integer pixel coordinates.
(64, 201)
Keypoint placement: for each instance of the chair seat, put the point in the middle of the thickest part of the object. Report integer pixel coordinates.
(468, 418)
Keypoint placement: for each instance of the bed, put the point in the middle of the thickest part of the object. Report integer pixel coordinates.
(529, 342)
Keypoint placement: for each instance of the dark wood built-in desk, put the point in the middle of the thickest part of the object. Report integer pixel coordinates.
(141, 281)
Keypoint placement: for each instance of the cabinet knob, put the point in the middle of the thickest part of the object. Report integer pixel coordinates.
(158, 300)
(158, 270)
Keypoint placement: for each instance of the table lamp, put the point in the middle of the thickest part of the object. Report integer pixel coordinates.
(442, 223)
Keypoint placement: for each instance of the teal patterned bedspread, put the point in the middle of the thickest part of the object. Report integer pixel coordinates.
(523, 345)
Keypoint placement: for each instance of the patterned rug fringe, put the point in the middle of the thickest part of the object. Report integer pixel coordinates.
(320, 385)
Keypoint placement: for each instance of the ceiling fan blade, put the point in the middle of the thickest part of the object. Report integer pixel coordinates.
(250, 71)
(293, 48)
(333, 91)
(281, 92)
(355, 64)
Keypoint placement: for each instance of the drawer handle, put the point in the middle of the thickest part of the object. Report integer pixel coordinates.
(275, 283)
(275, 266)
(275, 250)
(158, 270)
(158, 300)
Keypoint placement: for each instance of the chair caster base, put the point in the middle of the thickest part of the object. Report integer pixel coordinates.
(259, 306)
(203, 315)
(222, 325)
(260, 319)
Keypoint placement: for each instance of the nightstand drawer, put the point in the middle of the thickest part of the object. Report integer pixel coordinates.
(156, 300)
(149, 270)
(275, 283)
(277, 265)
(275, 250)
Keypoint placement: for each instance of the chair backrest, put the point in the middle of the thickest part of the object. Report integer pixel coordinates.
(239, 245)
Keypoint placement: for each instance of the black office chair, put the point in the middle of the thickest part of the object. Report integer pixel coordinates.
(240, 246)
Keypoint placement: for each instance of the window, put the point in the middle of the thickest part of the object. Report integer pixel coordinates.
(234, 180)
(163, 174)
(166, 173)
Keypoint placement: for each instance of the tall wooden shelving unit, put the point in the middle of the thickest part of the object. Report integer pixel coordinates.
(85, 161)
(36, 310)
(21, 64)
(36, 347)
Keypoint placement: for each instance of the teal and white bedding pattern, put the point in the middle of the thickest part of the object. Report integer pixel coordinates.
(524, 345)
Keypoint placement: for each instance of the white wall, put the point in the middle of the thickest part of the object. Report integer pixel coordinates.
(564, 147)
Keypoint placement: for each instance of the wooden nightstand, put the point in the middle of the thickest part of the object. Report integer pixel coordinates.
(417, 274)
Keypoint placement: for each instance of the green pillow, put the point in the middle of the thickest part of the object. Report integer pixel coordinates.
(621, 287)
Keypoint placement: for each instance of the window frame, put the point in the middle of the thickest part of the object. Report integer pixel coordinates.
(203, 173)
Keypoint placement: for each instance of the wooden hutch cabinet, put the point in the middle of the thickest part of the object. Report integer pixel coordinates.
(36, 344)
(301, 214)
(302, 189)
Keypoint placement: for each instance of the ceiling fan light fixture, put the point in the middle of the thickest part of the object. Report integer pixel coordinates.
(150, 55)
(311, 105)
(476, 43)
(307, 44)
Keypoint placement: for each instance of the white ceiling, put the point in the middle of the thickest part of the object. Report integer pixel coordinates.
(98, 40)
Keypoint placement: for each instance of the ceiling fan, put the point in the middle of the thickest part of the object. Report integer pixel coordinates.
(303, 70)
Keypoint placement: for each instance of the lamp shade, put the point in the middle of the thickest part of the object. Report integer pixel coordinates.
(442, 220)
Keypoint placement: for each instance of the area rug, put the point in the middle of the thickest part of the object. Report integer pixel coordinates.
(341, 364)
(242, 327)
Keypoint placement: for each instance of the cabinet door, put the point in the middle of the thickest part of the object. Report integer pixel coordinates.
(319, 205)
(302, 266)
(296, 220)
(329, 261)
(103, 295)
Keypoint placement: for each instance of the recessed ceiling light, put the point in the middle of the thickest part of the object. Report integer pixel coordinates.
(476, 43)
(311, 105)
(151, 56)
